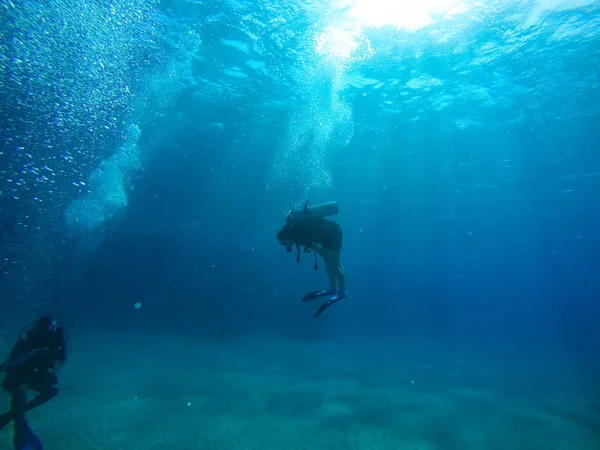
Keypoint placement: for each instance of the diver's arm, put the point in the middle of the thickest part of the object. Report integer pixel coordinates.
(20, 348)
(17, 361)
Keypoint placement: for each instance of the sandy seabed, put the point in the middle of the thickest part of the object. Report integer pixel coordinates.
(165, 391)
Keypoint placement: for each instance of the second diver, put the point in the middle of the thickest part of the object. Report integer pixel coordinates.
(323, 236)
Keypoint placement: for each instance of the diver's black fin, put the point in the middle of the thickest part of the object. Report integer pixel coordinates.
(306, 207)
(314, 294)
(24, 437)
(325, 305)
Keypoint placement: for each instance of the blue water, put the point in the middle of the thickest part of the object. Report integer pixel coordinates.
(152, 149)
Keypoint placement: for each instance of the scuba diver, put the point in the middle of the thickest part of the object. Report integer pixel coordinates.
(32, 364)
(309, 229)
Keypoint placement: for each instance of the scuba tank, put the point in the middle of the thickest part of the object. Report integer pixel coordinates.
(320, 211)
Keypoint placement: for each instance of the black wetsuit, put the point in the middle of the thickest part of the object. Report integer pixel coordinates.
(308, 231)
(43, 351)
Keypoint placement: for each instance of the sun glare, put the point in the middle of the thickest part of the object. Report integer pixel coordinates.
(409, 15)
(341, 41)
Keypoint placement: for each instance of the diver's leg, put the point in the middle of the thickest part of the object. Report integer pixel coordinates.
(335, 271)
(18, 400)
(341, 279)
(338, 271)
(330, 274)
(5, 418)
(23, 437)
(17, 405)
(41, 398)
(20, 432)
(47, 386)
(331, 267)
(10, 385)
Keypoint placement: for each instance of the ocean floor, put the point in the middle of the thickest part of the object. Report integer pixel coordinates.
(148, 391)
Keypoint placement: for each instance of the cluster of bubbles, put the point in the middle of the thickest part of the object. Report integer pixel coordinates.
(68, 73)
(68, 76)
(107, 186)
(322, 123)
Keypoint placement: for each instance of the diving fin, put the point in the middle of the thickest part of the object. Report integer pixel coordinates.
(329, 302)
(324, 306)
(318, 293)
(24, 438)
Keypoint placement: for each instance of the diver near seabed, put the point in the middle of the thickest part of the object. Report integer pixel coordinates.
(309, 229)
(32, 364)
